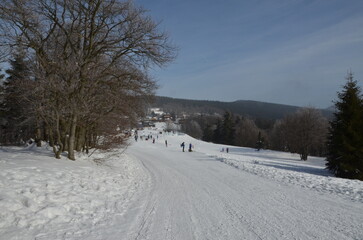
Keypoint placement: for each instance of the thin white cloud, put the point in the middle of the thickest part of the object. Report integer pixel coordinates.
(296, 69)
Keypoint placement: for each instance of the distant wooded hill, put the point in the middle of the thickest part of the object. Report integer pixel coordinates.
(253, 109)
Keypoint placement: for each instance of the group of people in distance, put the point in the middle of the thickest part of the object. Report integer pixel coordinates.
(166, 142)
(227, 150)
(182, 145)
(190, 147)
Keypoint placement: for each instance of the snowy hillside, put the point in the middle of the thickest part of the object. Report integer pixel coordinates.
(156, 191)
(45, 198)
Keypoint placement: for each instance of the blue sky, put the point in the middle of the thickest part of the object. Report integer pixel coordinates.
(292, 52)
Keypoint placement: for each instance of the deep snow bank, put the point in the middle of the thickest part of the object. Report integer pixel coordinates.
(295, 173)
(46, 198)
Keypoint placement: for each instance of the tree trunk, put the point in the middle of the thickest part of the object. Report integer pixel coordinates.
(304, 155)
(86, 142)
(59, 141)
(72, 138)
(46, 135)
(54, 146)
(63, 133)
(38, 134)
(81, 136)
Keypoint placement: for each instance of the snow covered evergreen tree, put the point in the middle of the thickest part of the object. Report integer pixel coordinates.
(345, 142)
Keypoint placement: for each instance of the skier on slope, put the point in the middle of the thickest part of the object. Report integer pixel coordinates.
(182, 145)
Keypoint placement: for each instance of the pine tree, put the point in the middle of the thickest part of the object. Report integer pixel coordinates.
(229, 129)
(260, 141)
(1, 77)
(218, 133)
(225, 130)
(208, 133)
(2, 92)
(15, 124)
(345, 141)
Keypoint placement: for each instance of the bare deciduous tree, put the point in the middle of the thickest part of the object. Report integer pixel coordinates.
(91, 60)
(303, 132)
(192, 128)
(246, 133)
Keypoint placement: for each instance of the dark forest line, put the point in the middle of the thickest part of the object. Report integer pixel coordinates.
(252, 109)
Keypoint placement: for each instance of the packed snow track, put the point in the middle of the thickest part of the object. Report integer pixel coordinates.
(195, 196)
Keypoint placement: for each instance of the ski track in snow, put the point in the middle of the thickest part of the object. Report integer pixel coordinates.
(157, 192)
(202, 198)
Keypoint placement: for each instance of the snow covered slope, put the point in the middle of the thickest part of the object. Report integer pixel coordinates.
(46, 198)
(154, 191)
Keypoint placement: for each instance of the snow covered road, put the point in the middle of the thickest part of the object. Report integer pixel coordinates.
(195, 196)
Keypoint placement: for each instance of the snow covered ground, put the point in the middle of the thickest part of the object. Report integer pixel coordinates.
(154, 191)
(45, 198)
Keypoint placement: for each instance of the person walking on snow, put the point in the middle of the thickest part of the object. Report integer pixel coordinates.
(166, 143)
(183, 145)
(190, 147)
